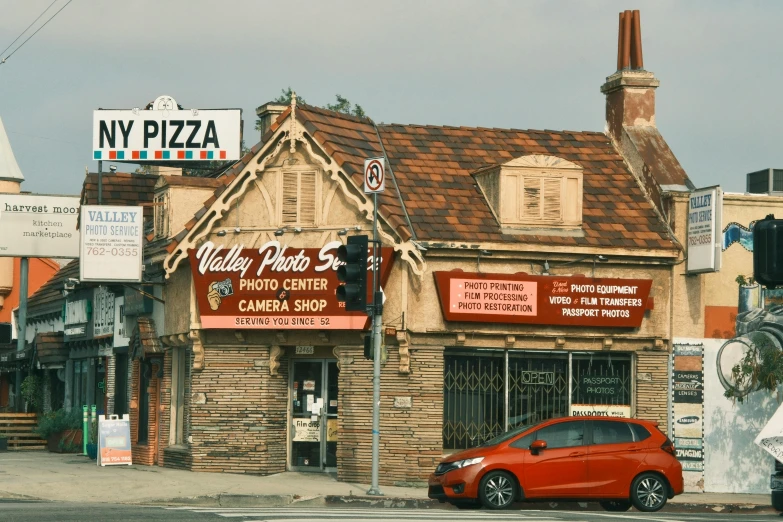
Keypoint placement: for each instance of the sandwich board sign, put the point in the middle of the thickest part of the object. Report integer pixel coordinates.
(114, 442)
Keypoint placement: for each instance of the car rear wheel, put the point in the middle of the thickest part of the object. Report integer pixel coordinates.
(616, 505)
(497, 490)
(648, 492)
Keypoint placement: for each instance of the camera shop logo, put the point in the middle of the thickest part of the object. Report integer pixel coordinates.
(218, 290)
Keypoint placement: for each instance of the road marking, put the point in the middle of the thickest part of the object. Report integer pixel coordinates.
(362, 514)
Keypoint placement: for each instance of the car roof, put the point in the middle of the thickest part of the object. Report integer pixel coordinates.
(611, 419)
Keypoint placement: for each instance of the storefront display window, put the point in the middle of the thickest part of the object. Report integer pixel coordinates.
(487, 392)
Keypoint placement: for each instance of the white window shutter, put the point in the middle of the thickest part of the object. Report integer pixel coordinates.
(289, 198)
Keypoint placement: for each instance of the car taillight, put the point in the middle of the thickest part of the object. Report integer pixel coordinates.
(668, 446)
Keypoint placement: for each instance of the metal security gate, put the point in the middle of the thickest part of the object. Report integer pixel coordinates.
(487, 392)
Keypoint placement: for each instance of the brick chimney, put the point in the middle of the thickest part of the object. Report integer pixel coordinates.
(630, 92)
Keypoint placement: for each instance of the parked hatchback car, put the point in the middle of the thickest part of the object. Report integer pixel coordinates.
(617, 462)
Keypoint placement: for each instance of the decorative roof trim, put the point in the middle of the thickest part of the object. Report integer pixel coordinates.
(291, 133)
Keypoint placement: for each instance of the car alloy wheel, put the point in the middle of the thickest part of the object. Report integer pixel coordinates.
(648, 492)
(497, 490)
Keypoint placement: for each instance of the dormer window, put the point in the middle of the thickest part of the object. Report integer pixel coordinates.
(534, 192)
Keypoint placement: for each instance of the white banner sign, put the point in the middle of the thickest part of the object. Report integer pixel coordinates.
(166, 135)
(771, 436)
(600, 410)
(39, 226)
(704, 222)
(111, 245)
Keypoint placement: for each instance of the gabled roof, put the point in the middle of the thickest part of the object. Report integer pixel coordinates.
(433, 166)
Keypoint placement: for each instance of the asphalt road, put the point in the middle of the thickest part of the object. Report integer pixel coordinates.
(13, 511)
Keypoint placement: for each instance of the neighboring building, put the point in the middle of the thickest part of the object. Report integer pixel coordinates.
(40, 270)
(720, 452)
(259, 370)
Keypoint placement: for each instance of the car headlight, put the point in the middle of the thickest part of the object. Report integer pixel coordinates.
(459, 464)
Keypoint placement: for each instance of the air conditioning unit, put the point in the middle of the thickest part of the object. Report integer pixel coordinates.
(767, 181)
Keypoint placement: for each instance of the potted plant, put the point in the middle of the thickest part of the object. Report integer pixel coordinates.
(92, 441)
(61, 429)
(32, 393)
(3, 443)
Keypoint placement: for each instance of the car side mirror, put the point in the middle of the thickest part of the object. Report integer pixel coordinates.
(537, 446)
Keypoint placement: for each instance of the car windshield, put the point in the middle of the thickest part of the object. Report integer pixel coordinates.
(508, 435)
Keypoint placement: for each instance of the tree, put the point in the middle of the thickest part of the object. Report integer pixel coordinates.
(342, 105)
(760, 369)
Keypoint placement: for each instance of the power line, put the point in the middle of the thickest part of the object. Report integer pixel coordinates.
(36, 32)
(28, 27)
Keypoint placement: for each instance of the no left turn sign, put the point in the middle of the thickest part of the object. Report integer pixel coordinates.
(374, 175)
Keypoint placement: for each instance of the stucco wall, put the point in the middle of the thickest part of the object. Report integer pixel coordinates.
(695, 293)
(733, 463)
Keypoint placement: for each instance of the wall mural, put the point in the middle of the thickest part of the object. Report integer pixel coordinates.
(736, 233)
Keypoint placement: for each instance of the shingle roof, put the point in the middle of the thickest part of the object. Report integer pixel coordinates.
(121, 188)
(46, 298)
(432, 166)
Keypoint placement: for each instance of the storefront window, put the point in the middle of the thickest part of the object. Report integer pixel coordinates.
(476, 382)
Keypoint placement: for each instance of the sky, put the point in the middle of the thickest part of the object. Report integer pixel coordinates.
(489, 63)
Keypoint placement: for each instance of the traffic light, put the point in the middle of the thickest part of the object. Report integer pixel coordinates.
(369, 351)
(768, 251)
(353, 273)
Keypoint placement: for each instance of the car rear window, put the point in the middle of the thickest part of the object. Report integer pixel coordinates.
(611, 432)
(639, 431)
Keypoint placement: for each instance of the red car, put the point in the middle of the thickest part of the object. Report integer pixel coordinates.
(618, 462)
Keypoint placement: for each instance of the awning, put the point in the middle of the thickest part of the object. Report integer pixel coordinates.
(12, 360)
(50, 348)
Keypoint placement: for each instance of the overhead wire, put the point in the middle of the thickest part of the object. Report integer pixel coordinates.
(36, 32)
(28, 27)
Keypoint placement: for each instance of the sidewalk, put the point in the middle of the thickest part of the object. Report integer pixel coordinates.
(73, 478)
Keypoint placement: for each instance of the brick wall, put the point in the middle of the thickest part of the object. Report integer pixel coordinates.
(411, 438)
(238, 412)
(652, 387)
(144, 454)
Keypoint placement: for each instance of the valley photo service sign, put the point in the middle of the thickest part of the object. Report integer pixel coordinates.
(111, 243)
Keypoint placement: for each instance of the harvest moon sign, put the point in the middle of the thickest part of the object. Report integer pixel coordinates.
(374, 175)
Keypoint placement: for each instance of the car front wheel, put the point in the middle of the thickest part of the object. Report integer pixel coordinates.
(648, 492)
(497, 490)
(616, 505)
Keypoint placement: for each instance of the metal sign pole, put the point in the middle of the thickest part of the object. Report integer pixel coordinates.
(22, 334)
(377, 319)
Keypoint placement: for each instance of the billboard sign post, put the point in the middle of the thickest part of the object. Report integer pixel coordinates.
(166, 133)
(111, 244)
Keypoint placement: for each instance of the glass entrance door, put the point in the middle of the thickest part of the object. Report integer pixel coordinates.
(314, 406)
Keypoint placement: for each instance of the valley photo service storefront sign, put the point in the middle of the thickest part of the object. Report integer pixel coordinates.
(553, 300)
(275, 287)
(111, 245)
(39, 226)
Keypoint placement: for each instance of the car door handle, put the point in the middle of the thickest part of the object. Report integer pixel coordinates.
(634, 448)
(577, 454)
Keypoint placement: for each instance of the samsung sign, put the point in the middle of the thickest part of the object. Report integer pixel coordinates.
(704, 222)
(166, 133)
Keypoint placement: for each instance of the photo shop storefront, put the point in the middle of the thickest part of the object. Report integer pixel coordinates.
(270, 390)
(489, 390)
